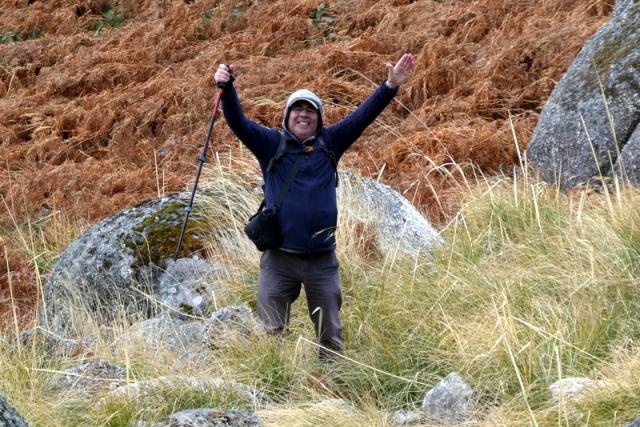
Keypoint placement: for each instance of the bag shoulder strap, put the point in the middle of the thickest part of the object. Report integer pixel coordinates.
(282, 148)
(287, 184)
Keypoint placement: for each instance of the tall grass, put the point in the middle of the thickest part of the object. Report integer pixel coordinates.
(532, 285)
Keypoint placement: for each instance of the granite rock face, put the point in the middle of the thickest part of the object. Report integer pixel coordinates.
(588, 129)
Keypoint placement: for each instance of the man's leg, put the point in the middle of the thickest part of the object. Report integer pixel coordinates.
(324, 299)
(278, 288)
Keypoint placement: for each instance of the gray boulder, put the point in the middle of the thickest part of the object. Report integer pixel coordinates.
(9, 417)
(210, 418)
(451, 400)
(120, 264)
(396, 223)
(588, 129)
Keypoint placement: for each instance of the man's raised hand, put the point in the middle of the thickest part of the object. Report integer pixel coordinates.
(400, 72)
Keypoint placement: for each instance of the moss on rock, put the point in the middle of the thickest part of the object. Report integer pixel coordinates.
(156, 237)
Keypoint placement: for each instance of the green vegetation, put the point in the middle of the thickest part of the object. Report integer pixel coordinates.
(324, 23)
(201, 30)
(532, 285)
(111, 18)
(12, 36)
(156, 238)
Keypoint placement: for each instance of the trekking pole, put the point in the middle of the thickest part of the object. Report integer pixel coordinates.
(202, 158)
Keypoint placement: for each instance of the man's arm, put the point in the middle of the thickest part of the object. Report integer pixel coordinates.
(345, 132)
(253, 135)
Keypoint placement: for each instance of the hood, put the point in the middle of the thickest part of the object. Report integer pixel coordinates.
(303, 95)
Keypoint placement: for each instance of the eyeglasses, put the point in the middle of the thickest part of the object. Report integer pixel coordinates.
(299, 109)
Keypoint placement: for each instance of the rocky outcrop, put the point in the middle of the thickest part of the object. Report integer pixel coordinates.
(123, 267)
(588, 129)
(9, 417)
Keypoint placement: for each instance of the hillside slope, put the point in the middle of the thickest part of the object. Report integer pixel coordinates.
(102, 103)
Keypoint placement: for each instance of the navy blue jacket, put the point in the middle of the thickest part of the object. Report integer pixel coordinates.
(309, 212)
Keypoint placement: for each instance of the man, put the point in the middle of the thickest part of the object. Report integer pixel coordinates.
(308, 213)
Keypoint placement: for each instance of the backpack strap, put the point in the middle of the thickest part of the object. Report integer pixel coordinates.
(321, 146)
(318, 144)
(282, 148)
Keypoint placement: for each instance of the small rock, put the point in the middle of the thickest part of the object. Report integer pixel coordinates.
(211, 418)
(404, 417)
(450, 400)
(228, 323)
(90, 378)
(575, 387)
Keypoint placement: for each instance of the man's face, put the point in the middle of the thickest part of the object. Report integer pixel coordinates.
(303, 120)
